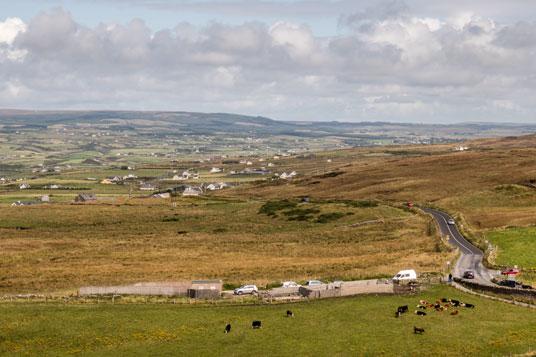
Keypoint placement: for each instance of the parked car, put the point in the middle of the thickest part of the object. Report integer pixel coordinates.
(409, 204)
(290, 284)
(511, 283)
(468, 274)
(314, 283)
(404, 275)
(451, 221)
(246, 289)
(510, 271)
(528, 287)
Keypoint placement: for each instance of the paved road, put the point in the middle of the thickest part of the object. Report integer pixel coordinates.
(470, 257)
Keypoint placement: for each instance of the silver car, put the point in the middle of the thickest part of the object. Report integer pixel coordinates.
(246, 289)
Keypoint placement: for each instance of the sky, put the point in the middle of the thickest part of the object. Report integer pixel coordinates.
(419, 61)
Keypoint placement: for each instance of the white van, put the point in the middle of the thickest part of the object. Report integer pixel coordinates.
(404, 275)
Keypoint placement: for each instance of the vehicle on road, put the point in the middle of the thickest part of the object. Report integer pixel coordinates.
(528, 287)
(290, 284)
(404, 275)
(451, 221)
(468, 274)
(510, 271)
(409, 204)
(511, 283)
(246, 289)
(314, 283)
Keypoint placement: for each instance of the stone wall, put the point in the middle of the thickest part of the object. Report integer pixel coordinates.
(515, 292)
(133, 290)
(348, 288)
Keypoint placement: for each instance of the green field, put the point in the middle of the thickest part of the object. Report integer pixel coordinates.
(361, 326)
(516, 246)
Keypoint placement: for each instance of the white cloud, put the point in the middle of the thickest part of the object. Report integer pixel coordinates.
(389, 66)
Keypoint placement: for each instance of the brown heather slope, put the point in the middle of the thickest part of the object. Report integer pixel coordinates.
(425, 178)
(492, 185)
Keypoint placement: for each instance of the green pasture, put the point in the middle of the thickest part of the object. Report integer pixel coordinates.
(516, 246)
(360, 326)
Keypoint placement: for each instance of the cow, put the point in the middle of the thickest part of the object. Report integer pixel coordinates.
(471, 306)
(289, 313)
(420, 313)
(256, 324)
(418, 329)
(227, 328)
(402, 309)
(423, 302)
(444, 300)
(421, 307)
(429, 305)
(455, 312)
(455, 303)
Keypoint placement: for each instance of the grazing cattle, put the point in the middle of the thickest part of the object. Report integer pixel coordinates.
(403, 309)
(441, 308)
(455, 312)
(420, 313)
(227, 328)
(444, 300)
(289, 313)
(422, 302)
(429, 305)
(437, 306)
(256, 324)
(418, 329)
(471, 306)
(455, 302)
(421, 307)
(439, 301)
(448, 304)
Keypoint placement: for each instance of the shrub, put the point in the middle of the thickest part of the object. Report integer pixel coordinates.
(362, 204)
(328, 217)
(271, 207)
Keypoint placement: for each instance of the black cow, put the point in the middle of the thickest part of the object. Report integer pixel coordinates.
(471, 306)
(456, 303)
(256, 324)
(421, 307)
(420, 313)
(289, 313)
(227, 328)
(403, 309)
(418, 329)
(444, 300)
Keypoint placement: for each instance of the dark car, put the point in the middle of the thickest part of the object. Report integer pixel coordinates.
(510, 283)
(468, 274)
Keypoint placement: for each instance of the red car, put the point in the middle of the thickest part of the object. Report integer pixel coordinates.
(510, 271)
(410, 204)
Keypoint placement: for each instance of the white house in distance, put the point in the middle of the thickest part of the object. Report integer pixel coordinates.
(147, 187)
(216, 169)
(24, 186)
(192, 191)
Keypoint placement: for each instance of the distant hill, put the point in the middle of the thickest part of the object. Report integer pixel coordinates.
(234, 124)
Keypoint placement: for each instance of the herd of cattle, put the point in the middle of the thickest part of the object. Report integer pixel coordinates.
(425, 305)
(255, 324)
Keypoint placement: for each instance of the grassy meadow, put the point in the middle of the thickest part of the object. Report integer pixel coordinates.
(360, 326)
(66, 245)
(517, 246)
